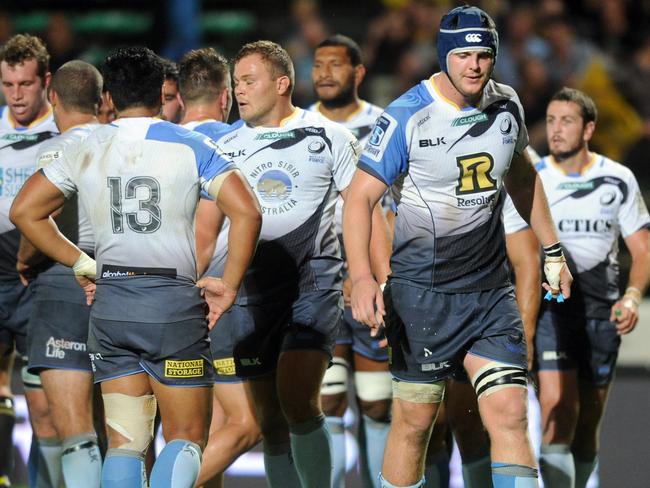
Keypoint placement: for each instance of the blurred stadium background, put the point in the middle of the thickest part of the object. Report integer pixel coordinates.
(599, 46)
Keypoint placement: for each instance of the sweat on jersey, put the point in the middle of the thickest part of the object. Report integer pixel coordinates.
(139, 181)
(18, 150)
(296, 171)
(590, 211)
(446, 166)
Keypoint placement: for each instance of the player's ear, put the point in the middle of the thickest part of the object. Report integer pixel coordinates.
(283, 84)
(52, 97)
(47, 79)
(588, 131)
(359, 74)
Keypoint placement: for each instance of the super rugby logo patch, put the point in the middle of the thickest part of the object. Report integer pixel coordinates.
(380, 136)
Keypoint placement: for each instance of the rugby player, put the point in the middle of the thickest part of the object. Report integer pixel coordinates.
(138, 179)
(286, 317)
(449, 144)
(172, 109)
(58, 326)
(593, 201)
(337, 73)
(25, 123)
(205, 88)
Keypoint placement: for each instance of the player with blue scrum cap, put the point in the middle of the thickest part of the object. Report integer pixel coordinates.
(448, 145)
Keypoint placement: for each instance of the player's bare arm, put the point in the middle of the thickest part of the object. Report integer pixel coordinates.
(31, 214)
(523, 254)
(236, 200)
(527, 193)
(625, 311)
(209, 220)
(361, 199)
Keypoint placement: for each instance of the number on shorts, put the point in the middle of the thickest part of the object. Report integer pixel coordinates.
(475, 173)
(148, 205)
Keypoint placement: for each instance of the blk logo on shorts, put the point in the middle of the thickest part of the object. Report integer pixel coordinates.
(250, 362)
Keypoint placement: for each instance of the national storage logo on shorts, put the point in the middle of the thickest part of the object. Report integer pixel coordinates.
(192, 368)
(225, 366)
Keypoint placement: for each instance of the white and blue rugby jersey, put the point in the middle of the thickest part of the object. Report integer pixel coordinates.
(512, 221)
(73, 221)
(446, 167)
(360, 123)
(296, 171)
(209, 127)
(591, 210)
(18, 149)
(139, 181)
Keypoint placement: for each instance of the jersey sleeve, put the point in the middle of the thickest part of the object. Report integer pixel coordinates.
(633, 213)
(522, 135)
(512, 221)
(386, 153)
(345, 154)
(211, 163)
(58, 171)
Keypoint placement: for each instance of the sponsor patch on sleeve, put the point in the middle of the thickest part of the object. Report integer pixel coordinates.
(47, 157)
(380, 137)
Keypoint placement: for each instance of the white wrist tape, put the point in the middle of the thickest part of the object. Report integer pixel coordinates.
(552, 267)
(85, 266)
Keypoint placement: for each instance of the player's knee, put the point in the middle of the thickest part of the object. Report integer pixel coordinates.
(415, 407)
(132, 418)
(335, 380)
(374, 390)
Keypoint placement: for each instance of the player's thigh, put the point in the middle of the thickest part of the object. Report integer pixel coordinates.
(69, 395)
(236, 400)
(185, 411)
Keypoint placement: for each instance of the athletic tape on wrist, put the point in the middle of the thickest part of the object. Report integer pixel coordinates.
(85, 266)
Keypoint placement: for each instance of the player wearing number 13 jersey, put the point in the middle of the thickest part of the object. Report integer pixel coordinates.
(139, 180)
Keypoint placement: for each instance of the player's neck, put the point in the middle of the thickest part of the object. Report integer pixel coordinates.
(277, 116)
(447, 89)
(74, 119)
(196, 113)
(576, 163)
(44, 110)
(340, 114)
(138, 111)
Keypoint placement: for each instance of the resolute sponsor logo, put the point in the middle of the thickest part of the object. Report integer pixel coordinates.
(471, 202)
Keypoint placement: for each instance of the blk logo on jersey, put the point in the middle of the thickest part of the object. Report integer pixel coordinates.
(438, 141)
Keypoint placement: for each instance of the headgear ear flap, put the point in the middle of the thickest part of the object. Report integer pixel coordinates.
(466, 29)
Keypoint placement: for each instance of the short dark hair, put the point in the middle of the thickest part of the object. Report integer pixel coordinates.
(351, 47)
(134, 77)
(587, 106)
(78, 86)
(274, 56)
(202, 75)
(171, 70)
(23, 47)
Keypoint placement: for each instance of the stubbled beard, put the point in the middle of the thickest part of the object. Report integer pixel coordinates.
(564, 155)
(343, 98)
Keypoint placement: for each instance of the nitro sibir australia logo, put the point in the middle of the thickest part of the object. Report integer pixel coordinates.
(275, 185)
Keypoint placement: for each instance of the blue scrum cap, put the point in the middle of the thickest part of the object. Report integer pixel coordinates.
(466, 29)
